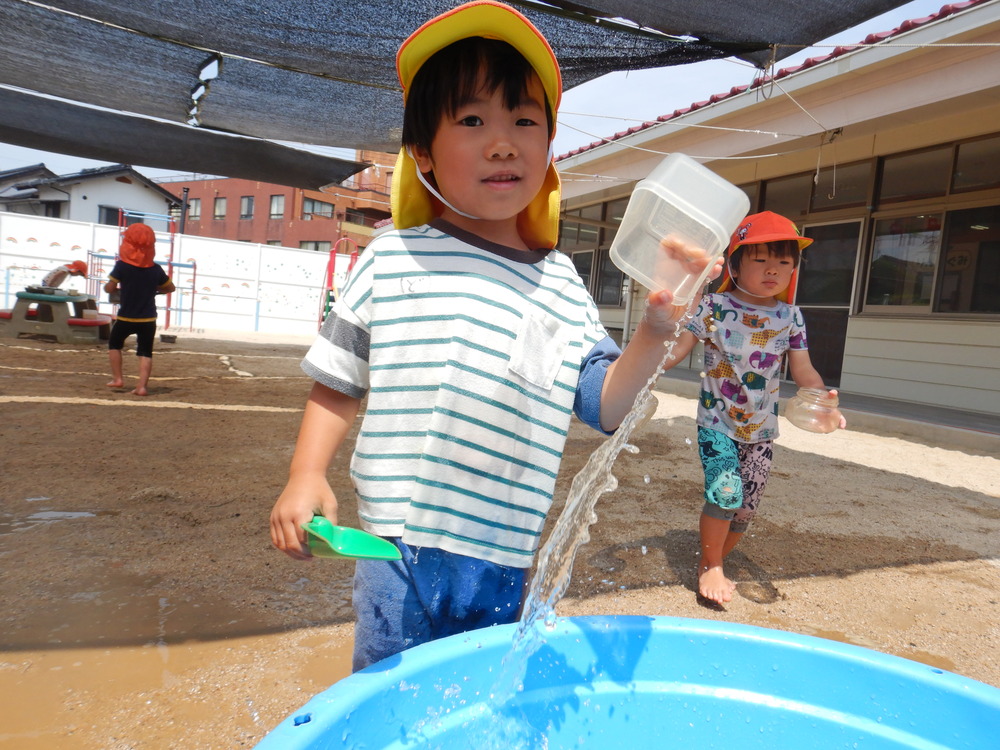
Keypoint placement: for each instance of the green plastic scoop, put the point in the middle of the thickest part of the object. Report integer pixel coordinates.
(326, 540)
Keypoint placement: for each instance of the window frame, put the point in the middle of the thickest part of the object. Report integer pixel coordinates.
(280, 200)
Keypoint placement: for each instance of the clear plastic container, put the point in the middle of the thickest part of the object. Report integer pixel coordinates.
(680, 197)
(813, 409)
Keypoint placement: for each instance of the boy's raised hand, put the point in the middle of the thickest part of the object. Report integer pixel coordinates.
(661, 315)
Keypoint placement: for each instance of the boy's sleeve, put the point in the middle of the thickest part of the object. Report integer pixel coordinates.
(339, 355)
(587, 404)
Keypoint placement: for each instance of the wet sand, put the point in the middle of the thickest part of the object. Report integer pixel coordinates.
(145, 608)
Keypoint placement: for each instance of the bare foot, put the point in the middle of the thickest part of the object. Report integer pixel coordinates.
(140, 392)
(713, 584)
(116, 384)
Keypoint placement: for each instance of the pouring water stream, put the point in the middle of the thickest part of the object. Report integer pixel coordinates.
(555, 562)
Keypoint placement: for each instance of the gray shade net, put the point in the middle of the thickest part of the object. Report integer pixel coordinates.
(322, 73)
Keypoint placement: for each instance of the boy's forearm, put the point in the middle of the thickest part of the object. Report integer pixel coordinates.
(629, 374)
(326, 422)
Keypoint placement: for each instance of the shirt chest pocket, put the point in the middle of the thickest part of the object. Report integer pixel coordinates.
(539, 350)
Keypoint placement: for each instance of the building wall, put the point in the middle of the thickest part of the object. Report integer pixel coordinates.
(860, 107)
(357, 204)
(933, 362)
(221, 285)
(86, 197)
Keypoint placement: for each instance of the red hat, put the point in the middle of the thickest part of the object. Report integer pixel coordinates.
(138, 246)
(77, 268)
(756, 229)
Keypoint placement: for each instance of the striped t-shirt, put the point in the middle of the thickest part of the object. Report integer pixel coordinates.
(470, 354)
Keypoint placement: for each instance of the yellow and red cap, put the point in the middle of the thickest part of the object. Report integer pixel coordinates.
(412, 204)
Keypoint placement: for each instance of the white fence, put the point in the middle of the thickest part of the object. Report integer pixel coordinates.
(221, 285)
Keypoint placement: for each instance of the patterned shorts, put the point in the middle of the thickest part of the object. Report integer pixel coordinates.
(735, 476)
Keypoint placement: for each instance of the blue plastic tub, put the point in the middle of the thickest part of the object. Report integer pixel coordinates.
(648, 682)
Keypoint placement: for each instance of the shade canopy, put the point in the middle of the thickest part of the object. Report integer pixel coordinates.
(208, 85)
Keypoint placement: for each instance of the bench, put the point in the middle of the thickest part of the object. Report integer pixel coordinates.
(65, 318)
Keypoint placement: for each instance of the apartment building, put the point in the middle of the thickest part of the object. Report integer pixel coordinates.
(338, 217)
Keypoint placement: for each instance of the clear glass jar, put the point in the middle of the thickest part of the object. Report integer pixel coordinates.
(813, 409)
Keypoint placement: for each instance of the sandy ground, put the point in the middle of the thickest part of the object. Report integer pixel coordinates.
(143, 606)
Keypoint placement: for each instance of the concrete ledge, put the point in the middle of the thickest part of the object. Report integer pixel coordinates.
(926, 432)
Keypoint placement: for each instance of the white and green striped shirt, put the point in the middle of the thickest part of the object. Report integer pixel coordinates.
(470, 354)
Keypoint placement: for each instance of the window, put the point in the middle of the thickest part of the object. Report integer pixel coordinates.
(584, 264)
(355, 216)
(904, 260)
(826, 273)
(970, 262)
(842, 186)
(976, 165)
(311, 207)
(319, 246)
(276, 243)
(219, 210)
(106, 215)
(923, 174)
(194, 209)
(593, 231)
(752, 191)
(789, 196)
(610, 279)
(574, 234)
(277, 210)
(246, 207)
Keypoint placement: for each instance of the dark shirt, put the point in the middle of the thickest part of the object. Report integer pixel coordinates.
(138, 290)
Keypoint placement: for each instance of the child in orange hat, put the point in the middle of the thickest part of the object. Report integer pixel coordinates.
(57, 276)
(137, 279)
(472, 339)
(749, 326)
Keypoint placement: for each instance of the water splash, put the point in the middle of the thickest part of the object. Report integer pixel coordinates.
(555, 566)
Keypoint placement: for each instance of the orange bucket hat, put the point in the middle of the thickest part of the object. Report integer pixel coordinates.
(138, 246)
(412, 203)
(755, 229)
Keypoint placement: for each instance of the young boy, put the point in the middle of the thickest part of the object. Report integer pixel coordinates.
(137, 280)
(747, 327)
(473, 340)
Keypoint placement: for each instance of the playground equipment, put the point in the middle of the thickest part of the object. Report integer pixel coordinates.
(330, 287)
(663, 682)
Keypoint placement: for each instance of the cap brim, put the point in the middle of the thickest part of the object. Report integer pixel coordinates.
(491, 21)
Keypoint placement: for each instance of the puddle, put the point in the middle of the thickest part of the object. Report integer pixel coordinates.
(127, 697)
(13, 525)
(106, 654)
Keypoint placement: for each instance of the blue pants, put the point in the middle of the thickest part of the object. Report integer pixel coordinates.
(427, 595)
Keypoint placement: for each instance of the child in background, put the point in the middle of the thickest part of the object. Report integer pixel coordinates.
(748, 326)
(57, 276)
(138, 280)
(473, 340)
